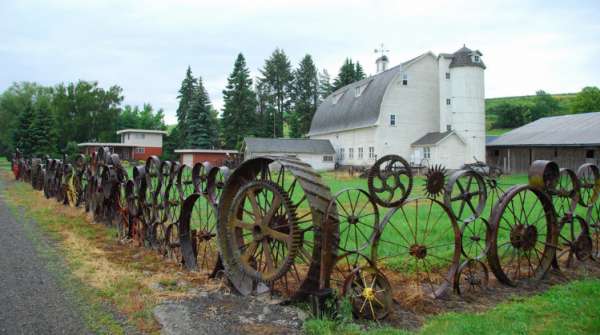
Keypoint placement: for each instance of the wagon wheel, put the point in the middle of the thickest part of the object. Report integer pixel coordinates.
(200, 177)
(204, 220)
(153, 186)
(472, 278)
(566, 194)
(369, 292)
(69, 187)
(544, 175)
(473, 242)
(589, 181)
(269, 227)
(390, 181)
(217, 177)
(593, 219)
(574, 242)
(185, 183)
(172, 243)
(138, 232)
(159, 238)
(421, 239)
(172, 203)
(358, 216)
(523, 235)
(166, 182)
(465, 195)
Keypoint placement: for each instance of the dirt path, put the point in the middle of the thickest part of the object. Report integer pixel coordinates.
(31, 300)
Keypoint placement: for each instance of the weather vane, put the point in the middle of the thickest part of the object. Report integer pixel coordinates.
(381, 50)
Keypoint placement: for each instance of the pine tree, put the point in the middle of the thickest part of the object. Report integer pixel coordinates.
(201, 125)
(239, 108)
(359, 73)
(186, 95)
(22, 138)
(305, 96)
(277, 79)
(346, 76)
(325, 87)
(42, 130)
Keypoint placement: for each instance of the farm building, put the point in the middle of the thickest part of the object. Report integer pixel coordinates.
(136, 144)
(569, 140)
(214, 157)
(430, 110)
(318, 153)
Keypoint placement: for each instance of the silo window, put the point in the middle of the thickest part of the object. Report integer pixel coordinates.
(476, 59)
(447, 75)
(404, 79)
(393, 120)
(448, 102)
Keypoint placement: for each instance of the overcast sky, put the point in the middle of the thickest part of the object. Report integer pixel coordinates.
(145, 46)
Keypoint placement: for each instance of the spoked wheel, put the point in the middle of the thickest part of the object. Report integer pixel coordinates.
(204, 221)
(185, 183)
(369, 292)
(153, 187)
(566, 194)
(574, 242)
(465, 195)
(473, 243)
(472, 278)
(159, 238)
(523, 236)
(269, 227)
(495, 191)
(200, 178)
(172, 244)
(358, 218)
(217, 176)
(139, 232)
(589, 181)
(420, 239)
(390, 181)
(593, 219)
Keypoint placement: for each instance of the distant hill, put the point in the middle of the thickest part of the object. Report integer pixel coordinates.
(564, 99)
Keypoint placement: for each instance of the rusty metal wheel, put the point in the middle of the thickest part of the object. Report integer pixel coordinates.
(204, 221)
(270, 227)
(565, 195)
(185, 182)
(544, 175)
(524, 235)
(390, 181)
(473, 242)
(574, 242)
(421, 240)
(153, 187)
(589, 182)
(472, 278)
(217, 176)
(200, 177)
(593, 219)
(495, 191)
(358, 217)
(159, 239)
(138, 232)
(369, 292)
(465, 195)
(172, 244)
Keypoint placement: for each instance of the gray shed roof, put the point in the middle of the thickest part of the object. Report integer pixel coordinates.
(565, 130)
(350, 112)
(288, 145)
(462, 57)
(432, 138)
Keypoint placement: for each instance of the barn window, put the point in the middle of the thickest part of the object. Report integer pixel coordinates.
(360, 152)
(426, 152)
(404, 79)
(589, 154)
(350, 153)
(476, 59)
(358, 91)
(341, 154)
(393, 120)
(448, 101)
(447, 75)
(140, 150)
(337, 97)
(371, 152)
(327, 158)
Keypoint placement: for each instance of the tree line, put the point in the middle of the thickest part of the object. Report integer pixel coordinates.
(280, 102)
(515, 113)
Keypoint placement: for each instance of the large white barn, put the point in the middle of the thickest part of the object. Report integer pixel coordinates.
(430, 110)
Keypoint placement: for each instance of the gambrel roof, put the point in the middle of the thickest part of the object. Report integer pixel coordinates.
(342, 110)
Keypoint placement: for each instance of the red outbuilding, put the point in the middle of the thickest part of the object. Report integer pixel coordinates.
(136, 144)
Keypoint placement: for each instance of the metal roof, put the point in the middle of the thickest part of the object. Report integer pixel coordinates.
(462, 57)
(288, 145)
(432, 138)
(351, 112)
(565, 130)
(145, 131)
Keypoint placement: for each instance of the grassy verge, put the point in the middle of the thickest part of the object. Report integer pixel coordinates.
(129, 280)
(567, 309)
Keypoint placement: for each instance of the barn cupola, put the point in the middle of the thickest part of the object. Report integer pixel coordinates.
(467, 57)
(382, 61)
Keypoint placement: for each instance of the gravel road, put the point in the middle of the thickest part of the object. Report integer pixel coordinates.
(31, 300)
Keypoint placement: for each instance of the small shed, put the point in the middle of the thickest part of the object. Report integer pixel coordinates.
(445, 148)
(569, 140)
(318, 153)
(216, 157)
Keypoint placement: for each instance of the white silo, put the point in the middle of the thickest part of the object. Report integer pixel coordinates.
(467, 101)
